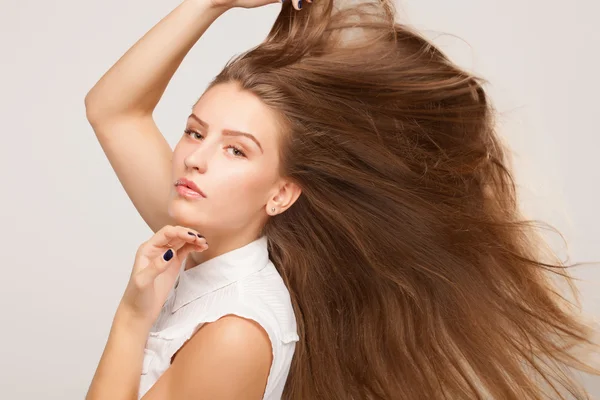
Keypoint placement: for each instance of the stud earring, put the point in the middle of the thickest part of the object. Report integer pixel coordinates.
(272, 209)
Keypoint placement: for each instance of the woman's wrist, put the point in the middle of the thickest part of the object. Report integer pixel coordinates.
(214, 6)
(126, 320)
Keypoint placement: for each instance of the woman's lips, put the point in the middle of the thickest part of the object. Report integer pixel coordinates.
(192, 188)
(187, 192)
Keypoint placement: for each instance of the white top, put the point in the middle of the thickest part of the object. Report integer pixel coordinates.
(243, 282)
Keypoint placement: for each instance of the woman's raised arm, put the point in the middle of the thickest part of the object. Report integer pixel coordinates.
(120, 106)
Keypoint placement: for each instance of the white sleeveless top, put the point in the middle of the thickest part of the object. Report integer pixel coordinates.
(243, 282)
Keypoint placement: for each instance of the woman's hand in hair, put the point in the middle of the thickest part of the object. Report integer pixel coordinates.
(297, 4)
(156, 267)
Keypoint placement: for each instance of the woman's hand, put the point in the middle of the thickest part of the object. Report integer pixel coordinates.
(226, 4)
(156, 267)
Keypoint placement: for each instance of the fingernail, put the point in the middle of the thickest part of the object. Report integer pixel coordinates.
(299, 4)
(200, 236)
(191, 233)
(168, 255)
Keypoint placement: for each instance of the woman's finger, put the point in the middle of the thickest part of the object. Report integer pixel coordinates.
(297, 4)
(169, 259)
(175, 237)
(156, 267)
(188, 248)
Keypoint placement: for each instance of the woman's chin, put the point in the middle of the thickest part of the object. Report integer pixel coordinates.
(184, 214)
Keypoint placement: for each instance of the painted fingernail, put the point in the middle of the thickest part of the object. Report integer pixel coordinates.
(200, 236)
(299, 4)
(191, 233)
(168, 255)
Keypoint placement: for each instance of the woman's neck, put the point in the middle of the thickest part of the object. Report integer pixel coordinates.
(216, 248)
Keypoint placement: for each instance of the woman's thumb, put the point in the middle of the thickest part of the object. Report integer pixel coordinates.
(158, 266)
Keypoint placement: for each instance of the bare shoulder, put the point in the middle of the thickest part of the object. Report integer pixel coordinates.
(226, 359)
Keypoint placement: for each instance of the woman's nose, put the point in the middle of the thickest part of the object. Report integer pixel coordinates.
(197, 160)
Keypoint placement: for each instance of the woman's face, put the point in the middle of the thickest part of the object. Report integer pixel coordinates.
(230, 152)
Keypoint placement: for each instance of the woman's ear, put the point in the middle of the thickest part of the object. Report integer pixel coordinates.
(287, 195)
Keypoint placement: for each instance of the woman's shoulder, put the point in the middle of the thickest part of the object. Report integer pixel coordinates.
(264, 293)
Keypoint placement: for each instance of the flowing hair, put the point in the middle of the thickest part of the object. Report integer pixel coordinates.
(412, 273)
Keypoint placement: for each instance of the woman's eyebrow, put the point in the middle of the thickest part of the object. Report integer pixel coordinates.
(228, 132)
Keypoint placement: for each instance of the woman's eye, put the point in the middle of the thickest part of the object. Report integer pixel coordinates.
(236, 152)
(194, 134)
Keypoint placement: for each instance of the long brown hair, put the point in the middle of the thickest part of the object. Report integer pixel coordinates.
(412, 273)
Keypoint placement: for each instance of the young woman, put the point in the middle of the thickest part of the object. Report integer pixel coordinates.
(337, 221)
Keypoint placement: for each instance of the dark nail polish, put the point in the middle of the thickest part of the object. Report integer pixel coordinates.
(168, 255)
(191, 233)
(200, 236)
(300, 4)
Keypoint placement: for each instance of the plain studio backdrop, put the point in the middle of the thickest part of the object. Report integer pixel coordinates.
(69, 232)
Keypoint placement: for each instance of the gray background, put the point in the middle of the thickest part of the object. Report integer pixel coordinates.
(70, 233)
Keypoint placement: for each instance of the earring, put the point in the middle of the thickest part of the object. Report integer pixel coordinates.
(272, 209)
